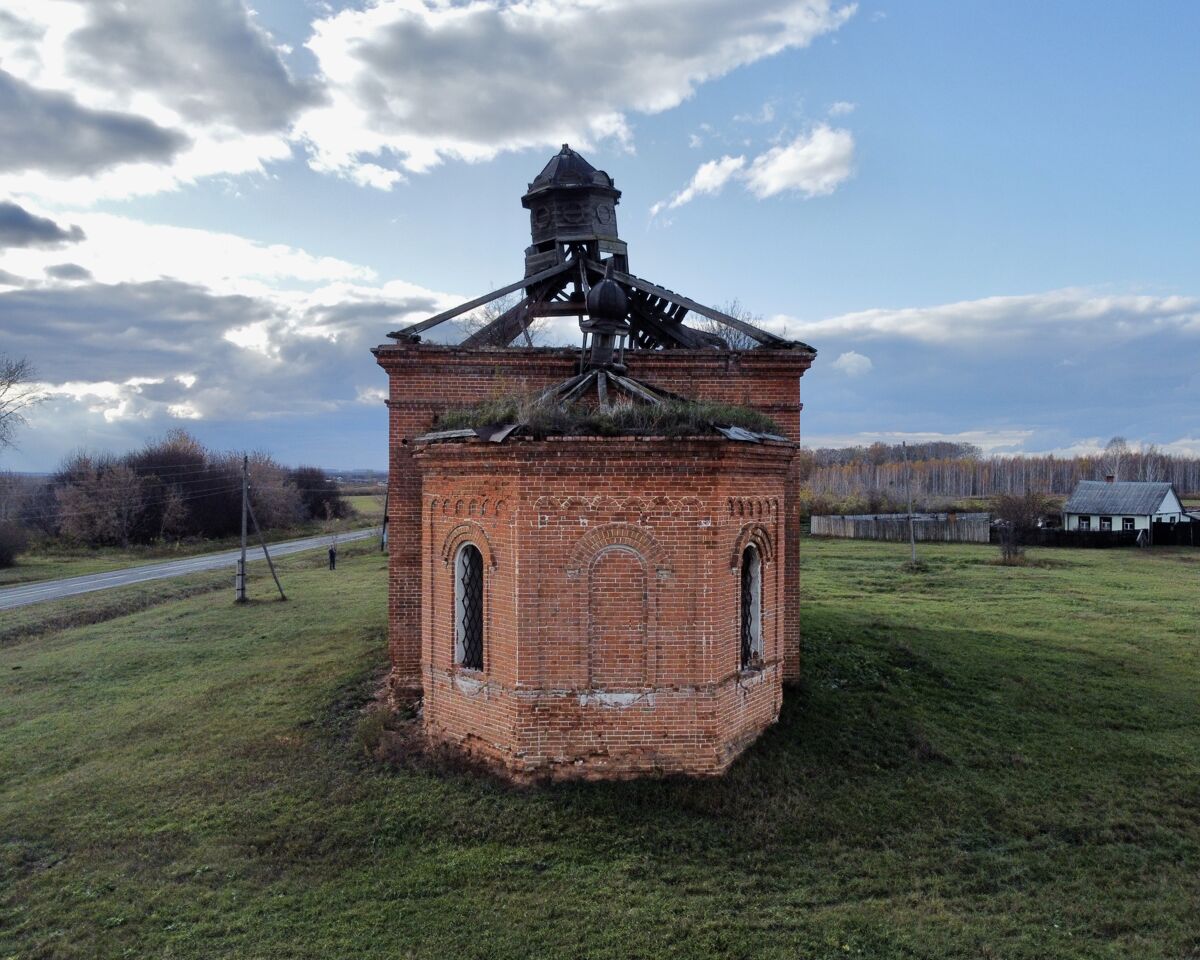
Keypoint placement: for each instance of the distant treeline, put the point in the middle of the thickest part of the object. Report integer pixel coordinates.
(871, 479)
(172, 489)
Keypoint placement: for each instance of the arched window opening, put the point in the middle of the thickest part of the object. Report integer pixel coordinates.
(468, 607)
(751, 607)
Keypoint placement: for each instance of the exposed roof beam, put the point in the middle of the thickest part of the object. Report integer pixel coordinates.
(480, 301)
(668, 334)
(761, 336)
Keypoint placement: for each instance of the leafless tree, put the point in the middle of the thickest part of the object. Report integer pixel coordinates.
(1018, 516)
(277, 503)
(1116, 452)
(476, 320)
(1151, 464)
(174, 513)
(121, 497)
(737, 339)
(14, 494)
(17, 394)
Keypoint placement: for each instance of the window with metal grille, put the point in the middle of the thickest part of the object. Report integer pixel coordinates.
(468, 606)
(751, 607)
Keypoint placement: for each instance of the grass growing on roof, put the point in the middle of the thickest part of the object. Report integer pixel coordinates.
(982, 761)
(672, 418)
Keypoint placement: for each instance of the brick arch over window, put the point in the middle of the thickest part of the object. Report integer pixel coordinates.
(618, 535)
(468, 532)
(760, 537)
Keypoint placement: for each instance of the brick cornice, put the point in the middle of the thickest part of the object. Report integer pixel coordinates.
(395, 356)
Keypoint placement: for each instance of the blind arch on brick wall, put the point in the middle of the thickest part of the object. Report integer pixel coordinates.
(618, 535)
(619, 609)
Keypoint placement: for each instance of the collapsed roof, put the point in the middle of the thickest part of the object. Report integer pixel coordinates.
(575, 246)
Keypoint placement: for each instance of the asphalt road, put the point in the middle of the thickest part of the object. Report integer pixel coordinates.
(27, 593)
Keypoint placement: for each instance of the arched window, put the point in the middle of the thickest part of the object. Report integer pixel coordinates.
(751, 606)
(468, 607)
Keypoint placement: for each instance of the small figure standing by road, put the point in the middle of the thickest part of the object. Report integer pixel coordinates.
(332, 556)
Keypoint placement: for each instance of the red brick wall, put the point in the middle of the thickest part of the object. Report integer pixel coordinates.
(426, 379)
(612, 631)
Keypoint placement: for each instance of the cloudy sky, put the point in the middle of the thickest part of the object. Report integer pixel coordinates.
(986, 217)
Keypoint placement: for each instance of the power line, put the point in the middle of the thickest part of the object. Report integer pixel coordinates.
(83, 513)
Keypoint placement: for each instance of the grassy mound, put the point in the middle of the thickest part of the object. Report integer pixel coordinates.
(675, 418)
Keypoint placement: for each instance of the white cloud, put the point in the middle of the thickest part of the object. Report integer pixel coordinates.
(118, 249)
(853, 364)
(813, 164)
(709, 178)
(188, 324)
(412, 82)
(168, 92)
(841, 108)
(989, 441)
(1098, 317)
(764, 114)
(372, 395)
(1093, 446)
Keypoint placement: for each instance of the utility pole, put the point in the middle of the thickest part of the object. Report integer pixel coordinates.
(383, 529)
(240, 578)
(263, 540)
(912, 534)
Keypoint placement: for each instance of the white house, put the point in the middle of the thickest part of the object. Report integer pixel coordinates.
(1122, 505)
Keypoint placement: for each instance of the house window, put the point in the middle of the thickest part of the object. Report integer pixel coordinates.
(751, 607)
(1106, 523)
(1127, 523)
(468, 607)
(1085, 523)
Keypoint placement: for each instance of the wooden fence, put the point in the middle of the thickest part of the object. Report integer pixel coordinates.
(944, 527)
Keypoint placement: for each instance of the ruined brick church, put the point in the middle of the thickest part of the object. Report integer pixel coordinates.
(593, 601)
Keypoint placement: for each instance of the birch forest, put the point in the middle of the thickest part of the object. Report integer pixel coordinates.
(871, 479)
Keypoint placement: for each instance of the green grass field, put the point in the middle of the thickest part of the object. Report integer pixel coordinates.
(981, 762)
(368, 507)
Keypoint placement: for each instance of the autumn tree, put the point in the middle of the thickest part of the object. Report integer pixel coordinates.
(102, 501)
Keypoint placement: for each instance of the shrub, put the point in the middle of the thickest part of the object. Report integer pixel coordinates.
(12, 541)
(171, 488)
